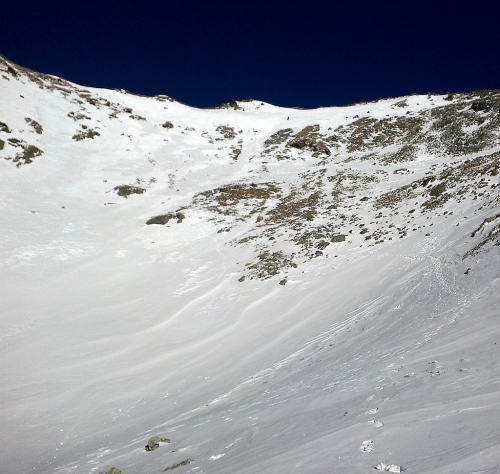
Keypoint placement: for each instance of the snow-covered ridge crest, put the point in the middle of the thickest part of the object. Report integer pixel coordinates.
(339, 170)
(247, 282)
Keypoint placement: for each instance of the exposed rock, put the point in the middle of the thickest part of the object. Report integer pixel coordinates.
(309, 139)
(179, 464)
(236, 153)
(338, 238)
(28, 153)
(227, 132)
(114, 470)
(163, 219)
(279, 137)
(154, 443)
(224, 200)
(85, 133)
(232, 104)
(126, 190)
(37, 127)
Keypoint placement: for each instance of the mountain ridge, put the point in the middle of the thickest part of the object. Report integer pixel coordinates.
(235, 247)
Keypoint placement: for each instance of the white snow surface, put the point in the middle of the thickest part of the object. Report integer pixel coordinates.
(113, 331)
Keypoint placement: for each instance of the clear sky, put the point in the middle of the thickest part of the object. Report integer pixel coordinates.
(304, 54)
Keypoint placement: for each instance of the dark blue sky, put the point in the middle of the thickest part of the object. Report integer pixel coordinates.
(306, 54)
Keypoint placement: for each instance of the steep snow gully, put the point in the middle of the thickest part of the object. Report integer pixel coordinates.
(265, 290)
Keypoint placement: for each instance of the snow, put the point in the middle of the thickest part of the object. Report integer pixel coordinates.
(113, 331)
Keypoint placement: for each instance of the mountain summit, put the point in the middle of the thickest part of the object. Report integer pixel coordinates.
(249, 288)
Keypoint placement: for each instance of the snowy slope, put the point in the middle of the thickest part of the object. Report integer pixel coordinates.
(379, 348)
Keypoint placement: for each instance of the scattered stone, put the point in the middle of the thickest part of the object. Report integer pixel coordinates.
(164, 218)
(27, 155)
(322, 245)
(310, 139)
(338, 238)
(227, 132)
(154, 443)
(114, 470)
(179, 464)
(36, 126)
(268, 264)
(85, 133)
(236, 153)
(126, 190)
(438, 189)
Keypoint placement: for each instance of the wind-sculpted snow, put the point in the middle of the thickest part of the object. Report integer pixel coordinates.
(270, 290)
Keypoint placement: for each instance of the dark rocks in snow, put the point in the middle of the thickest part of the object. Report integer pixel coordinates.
(322, 245)
(178, 464)
(481, 105)
(154, 443)
(126, 190)
(114, 470)
(163, 219)
(4, 127)
(338, 238)
(309, 139)
(28, 153)
(227, 132)
(36, 126)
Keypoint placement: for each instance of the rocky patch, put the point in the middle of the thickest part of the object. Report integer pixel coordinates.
(154, 443)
